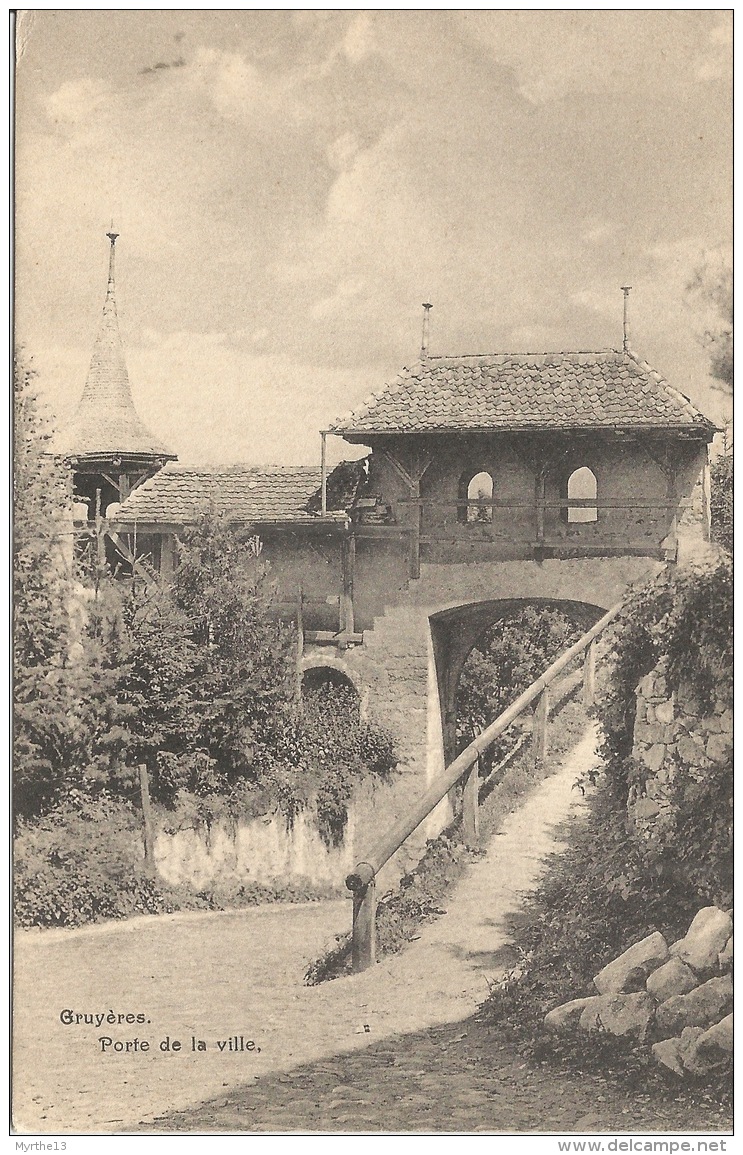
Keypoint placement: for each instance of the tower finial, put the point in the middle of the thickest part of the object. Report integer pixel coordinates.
(112, 238)
(424, 340)
(625, 321)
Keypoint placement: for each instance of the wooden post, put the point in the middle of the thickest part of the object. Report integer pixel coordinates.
(415, 531)
(470, 810)
(589, 676)
(324, 474)
(540, 486)
(706, 501)
(364, 947)
(300, 642)
(149, 833)
(348, 560)
(539, 734)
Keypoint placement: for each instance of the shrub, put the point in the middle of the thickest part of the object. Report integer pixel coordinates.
(721, 478)
(82, 862)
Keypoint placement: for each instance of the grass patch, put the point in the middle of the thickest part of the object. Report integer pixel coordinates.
(421, 893)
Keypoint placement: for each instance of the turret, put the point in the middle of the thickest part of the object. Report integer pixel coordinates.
(106, 443)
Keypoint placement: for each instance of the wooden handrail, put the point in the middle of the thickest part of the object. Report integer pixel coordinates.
(362, 879)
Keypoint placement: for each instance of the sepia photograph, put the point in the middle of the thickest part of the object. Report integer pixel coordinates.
(372, 575)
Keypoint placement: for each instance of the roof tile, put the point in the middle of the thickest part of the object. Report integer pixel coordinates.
(526, 391)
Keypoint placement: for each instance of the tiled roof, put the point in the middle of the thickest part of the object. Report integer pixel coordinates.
(179, 494)
(106, 422)
(526, 391)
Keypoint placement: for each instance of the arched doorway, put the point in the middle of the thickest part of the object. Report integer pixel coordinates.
(456, 633)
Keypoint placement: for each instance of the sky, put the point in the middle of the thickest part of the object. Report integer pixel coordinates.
(290, 186)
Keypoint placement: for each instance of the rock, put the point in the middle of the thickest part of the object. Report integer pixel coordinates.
(653, 758)
(664, 712)
(619, 1015)
(718, 1040)
(667, 1054)
(644, 956)
(673, 978)
(725, 957)
(726, 722)
(705, 938)
(568, 1014)
(691, 751)
(719, 747)
(687, 1046)
(702, 1007)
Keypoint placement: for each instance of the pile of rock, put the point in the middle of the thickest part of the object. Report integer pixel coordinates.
(680, 996)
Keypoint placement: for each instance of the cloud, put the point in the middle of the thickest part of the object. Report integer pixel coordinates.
(76, 101)
(716, 61)
(345, 291)
(560, 53)
(342, 151)
(359, 41)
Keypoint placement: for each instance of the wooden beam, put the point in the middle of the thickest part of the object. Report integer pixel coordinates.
(323, 474)
(348, 565)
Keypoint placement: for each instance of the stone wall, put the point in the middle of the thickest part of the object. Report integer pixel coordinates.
(674, 738)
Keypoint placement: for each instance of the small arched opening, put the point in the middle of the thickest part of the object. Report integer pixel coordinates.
(325, 687)
(582, 488)
(475, 498)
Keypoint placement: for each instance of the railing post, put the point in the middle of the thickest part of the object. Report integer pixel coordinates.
(364, 948)
(589, 676)
(539, 734)
(470, 808)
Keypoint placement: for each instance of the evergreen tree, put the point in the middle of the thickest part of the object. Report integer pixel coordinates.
(43, 641)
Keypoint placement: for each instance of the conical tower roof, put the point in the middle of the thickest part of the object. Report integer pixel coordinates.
(106, 424)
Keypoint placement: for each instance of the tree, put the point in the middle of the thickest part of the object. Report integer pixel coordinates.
(721, 480)
(506, 659)
(44, 696)
(712, 287)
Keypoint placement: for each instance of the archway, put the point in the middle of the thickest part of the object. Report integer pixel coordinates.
(456, 631)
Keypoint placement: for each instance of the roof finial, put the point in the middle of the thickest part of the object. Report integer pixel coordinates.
(112, 238)
(625, 322)
(424, 340)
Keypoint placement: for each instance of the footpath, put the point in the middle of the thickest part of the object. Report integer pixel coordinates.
(384, 1050)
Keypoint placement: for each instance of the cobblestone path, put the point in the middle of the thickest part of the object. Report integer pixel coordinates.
(238, 976)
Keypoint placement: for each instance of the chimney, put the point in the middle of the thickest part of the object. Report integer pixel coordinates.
(424, 340)
(625, 322)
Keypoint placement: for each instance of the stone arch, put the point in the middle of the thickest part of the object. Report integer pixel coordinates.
(456, 630)
(319, 670)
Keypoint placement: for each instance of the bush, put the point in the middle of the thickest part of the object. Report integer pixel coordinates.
(82, 862)
(597, 898)
(721, 478)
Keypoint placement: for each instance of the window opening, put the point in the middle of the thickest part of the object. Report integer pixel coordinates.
(582, 486)
(478, 493)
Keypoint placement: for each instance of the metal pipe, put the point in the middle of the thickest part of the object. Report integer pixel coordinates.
(426, 323)
(625, 320)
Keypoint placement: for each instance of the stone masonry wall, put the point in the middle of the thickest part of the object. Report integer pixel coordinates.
(673, 738)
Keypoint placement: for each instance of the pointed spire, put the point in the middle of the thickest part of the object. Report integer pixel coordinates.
(106, 422)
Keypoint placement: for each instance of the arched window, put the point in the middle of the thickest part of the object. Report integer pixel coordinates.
(582, 486)
(477, 492)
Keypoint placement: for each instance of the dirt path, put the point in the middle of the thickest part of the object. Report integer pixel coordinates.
(239, 975)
